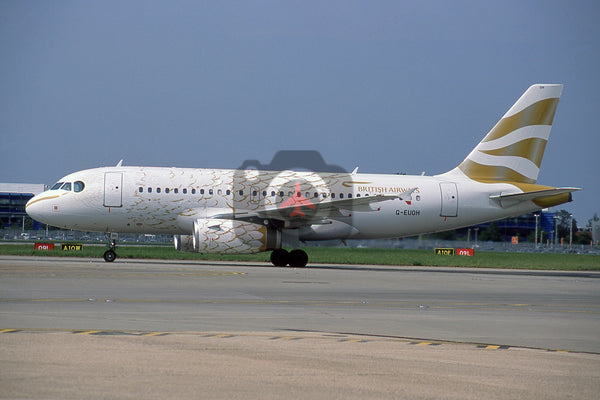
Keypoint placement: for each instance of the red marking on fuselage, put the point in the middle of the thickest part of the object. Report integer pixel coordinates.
(297, 200)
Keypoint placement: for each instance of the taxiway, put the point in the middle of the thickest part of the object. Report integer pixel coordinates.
(147, 318)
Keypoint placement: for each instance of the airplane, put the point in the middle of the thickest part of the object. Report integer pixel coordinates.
(236, 211)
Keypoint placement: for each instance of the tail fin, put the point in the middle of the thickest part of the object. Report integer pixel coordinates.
(512, 151)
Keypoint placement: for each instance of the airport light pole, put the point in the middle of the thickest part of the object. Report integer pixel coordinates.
(535, 240)
(555, 229)
(571, 230)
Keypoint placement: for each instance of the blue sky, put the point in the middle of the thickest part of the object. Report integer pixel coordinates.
(389, 86)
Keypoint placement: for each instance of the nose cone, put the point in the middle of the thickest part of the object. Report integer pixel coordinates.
(39, 208)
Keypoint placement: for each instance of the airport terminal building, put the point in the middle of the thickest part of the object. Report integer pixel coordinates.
(13, 197)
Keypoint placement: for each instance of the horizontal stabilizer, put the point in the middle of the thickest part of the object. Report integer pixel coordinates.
(543, 198)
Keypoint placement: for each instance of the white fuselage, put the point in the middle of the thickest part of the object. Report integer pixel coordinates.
(167, 201)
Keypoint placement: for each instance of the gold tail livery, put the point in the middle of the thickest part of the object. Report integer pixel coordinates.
(233, 211)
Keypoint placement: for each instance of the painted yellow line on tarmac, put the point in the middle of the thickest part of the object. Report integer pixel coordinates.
(221, 335)
(407, 341)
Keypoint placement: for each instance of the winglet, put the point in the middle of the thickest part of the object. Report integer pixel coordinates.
(120, 163)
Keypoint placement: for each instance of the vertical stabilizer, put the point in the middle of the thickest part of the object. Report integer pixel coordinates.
(512, 151)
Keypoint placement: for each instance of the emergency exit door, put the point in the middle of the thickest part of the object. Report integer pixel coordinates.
(449, 199)
(113, 191)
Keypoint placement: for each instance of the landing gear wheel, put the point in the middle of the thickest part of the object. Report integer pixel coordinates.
(279, 257)
(298, 258)
(109, 256)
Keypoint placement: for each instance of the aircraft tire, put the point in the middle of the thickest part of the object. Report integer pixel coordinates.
(298, 258)
(109, 256)
(280, 257)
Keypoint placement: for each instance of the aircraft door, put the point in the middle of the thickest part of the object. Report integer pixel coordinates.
(113, 189)
(449, 199)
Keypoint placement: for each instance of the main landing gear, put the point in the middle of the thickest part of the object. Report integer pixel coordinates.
(110, 255)
(295, 258)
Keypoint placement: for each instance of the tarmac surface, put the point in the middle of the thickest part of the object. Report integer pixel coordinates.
(82, 327)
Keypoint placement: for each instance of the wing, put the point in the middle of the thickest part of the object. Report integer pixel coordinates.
(323, 209)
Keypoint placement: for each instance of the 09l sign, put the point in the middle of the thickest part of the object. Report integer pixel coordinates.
(465, 252)
(44, 246)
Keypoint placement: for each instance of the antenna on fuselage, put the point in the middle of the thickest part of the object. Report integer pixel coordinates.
(120, 163)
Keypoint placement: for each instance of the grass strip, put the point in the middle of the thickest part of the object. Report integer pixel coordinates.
(329, 255)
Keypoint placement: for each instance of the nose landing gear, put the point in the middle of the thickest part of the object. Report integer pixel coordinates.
(110, 255)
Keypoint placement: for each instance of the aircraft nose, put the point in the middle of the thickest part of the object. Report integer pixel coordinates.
(37, 208)
(31, 209)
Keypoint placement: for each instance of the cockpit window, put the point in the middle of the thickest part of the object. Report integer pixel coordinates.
(78, 186)
(57, 186)
(66, 186)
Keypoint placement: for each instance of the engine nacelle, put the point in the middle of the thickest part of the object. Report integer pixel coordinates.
(184, 243)
(227, 236)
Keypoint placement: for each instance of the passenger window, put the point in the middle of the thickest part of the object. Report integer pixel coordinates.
(66, 186)
(264, 193)
(149, 190)
(167, 190)
(228, 192)
(176, 190)
(219, 192)
(324, 195)
(57, 186)
(184, 191)
(333, 195)
(316, 195)
(141, 189)
(281, 193)
(357, 194)
(210, 191)
(193, 191)
(78, 186)
(341, 195)
(241, 192)
(272, 193)
(157, 190)
(201, 191)
(349, 195)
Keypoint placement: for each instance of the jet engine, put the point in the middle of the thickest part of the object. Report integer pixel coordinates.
(228, 236)
(184, 243)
